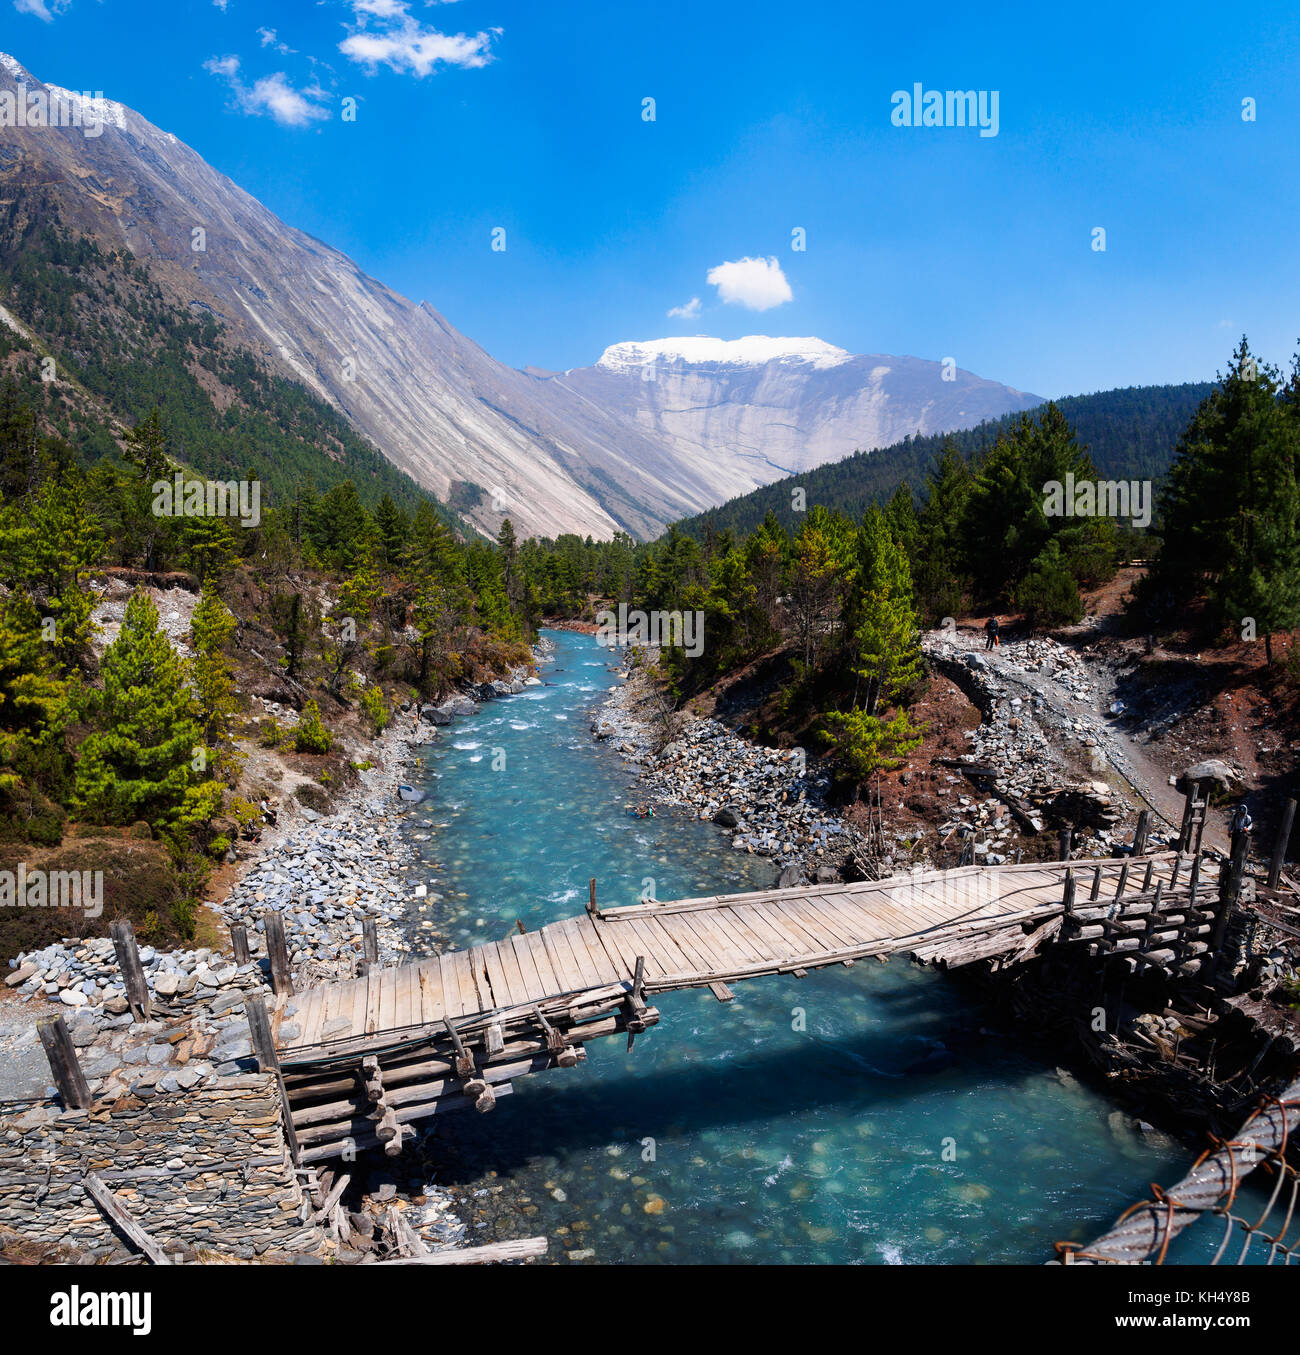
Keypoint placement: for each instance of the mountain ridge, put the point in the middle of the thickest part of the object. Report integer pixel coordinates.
(590, 450)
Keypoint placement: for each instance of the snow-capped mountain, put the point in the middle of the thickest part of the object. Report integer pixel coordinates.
(653, 431)
(758, 408)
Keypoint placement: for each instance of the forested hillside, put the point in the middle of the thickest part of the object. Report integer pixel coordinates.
(103, 347)
(1129, 434)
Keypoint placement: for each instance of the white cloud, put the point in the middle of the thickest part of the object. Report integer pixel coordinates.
(39, 9)
(272, 94)
(756, 284)
(221, 4)
(402, 44)
(269, 39)
(687, 312)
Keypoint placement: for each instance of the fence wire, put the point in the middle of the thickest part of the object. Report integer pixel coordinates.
(1142, 1234)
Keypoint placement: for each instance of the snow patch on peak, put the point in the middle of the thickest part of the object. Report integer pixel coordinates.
(93, 108)
(754, 350)
(12, 65)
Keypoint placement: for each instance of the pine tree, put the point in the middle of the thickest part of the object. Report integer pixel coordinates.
(146, 760)
(47, 547)
(864, 744)
(394, 528)
(31, 692)
(211, 627)
(885, 650)
(1231, 506)
(938, 568)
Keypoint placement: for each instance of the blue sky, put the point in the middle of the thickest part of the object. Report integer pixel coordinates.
(932, 241)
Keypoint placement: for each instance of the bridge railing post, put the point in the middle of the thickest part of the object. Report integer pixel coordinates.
(1229, 892)
(1278, 859)
(1140, 833)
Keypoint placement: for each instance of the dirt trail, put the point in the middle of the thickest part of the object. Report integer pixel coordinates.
(1072, 691)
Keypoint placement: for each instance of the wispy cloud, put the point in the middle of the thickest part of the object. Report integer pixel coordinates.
(756, 284)
(687, 312)
(45, 10)
(270, 39)
(387, 34)
(272, 95)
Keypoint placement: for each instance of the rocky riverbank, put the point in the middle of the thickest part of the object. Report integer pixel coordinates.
(770, 801)
(325, 875)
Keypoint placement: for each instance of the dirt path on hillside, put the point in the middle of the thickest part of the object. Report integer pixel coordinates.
(1072, 691)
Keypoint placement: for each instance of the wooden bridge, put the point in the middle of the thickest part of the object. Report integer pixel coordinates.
(375, 1054)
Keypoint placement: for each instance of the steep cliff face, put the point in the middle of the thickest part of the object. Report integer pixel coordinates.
(758, 408)
(652, 432)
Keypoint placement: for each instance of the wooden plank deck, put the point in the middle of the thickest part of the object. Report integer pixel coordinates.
(706, 941)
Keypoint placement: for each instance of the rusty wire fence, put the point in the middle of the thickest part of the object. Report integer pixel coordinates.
(1260, 1228)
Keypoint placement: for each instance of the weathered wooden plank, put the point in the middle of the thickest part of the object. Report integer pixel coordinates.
(388, 1014)
(594, 935)
(819, 936)
(536, 987)
(561, 960)
(708, 928)
(496, 975)
(702, 958)
(519, 990)
(117, 1214)
(550, 980)
(663, 954)
(491, 1254)
(595, 969)
(373, 982)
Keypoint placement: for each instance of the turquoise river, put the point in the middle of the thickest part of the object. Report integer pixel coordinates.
(873, 1114)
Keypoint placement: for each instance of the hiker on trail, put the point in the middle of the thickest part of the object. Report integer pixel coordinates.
(991, 627)
(1241, 820)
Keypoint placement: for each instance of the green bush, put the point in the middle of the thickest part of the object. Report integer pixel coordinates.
(311, 735)
(376, 708)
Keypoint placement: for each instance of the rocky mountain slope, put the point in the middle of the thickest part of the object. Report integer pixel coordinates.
(758, 408)
(590, 451)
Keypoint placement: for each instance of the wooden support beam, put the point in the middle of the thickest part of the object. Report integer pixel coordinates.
(492, 1254)
(591, 898)
(724, 994)
(1067, 898)
(1230, 878)
(1063, 840)
(1278, 859)
(277, 952)
(335, 1195)
(64, 1065)
(369, 945)
(128, 961)
(563, 1052)
(1122, 883)
(1096, 883)
(113, 1210)
(638, 979)
(1140, 832)
(259, 1026)
(239, 943)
